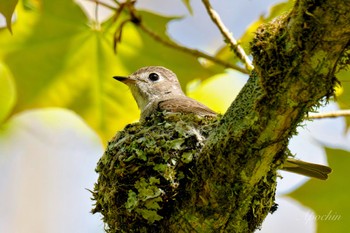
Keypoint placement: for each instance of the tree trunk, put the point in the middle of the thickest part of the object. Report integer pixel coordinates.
(295, 59)
(233, 182)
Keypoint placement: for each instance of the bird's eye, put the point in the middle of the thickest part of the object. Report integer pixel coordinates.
(153, 77)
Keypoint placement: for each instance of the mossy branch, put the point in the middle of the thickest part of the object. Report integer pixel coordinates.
(230, 185)
(295, 59)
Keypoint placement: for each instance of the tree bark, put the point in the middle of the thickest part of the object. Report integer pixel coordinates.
(231, 185)
(295, 58)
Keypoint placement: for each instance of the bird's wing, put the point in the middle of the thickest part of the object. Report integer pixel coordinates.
(185, 105)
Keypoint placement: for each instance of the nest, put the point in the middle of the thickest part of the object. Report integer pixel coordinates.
(148, 168)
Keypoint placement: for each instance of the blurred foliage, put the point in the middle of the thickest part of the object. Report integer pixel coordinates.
(7, 7)
(330, 199)
(58, 57)
(222, 89)
(7, 92)
(61, 58)
(343, 92)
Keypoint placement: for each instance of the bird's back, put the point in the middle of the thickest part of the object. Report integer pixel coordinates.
(185, 105)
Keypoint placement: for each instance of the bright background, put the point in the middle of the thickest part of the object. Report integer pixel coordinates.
(48, 155)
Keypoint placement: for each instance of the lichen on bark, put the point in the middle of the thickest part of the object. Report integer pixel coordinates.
(227, 182)
(146, 170)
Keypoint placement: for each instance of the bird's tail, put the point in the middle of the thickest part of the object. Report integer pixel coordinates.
(307, 169)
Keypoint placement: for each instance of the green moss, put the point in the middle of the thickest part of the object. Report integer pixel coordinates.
(145, 167)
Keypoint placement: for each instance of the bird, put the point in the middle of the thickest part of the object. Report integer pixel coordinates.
(156, 88)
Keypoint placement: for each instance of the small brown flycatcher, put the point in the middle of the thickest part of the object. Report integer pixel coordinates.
(156, 88)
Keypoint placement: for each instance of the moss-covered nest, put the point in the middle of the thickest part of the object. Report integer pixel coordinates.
(145, 167)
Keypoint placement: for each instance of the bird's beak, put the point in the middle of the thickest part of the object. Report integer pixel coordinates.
(125, 80)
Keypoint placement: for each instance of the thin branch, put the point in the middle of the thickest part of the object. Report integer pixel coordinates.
(193, 52)
(340, 113)
(237, 49)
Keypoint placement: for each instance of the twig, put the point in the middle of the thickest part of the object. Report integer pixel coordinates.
(137, 21)
(237, 49)
(193, 52)
(340, 113)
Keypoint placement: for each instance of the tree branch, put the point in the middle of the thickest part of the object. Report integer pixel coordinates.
(230, 184)
(237, 49)
(340, 113)
(193, 52)
(295, 58)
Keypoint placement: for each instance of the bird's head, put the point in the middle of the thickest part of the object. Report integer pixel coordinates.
(152, 83)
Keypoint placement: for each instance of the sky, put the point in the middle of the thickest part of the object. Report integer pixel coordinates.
(54, 153)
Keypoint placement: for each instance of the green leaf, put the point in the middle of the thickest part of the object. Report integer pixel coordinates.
(343, 92)
(7, 7)
(329, 199)
(222, 89)
(59, 58)
(7, 92)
